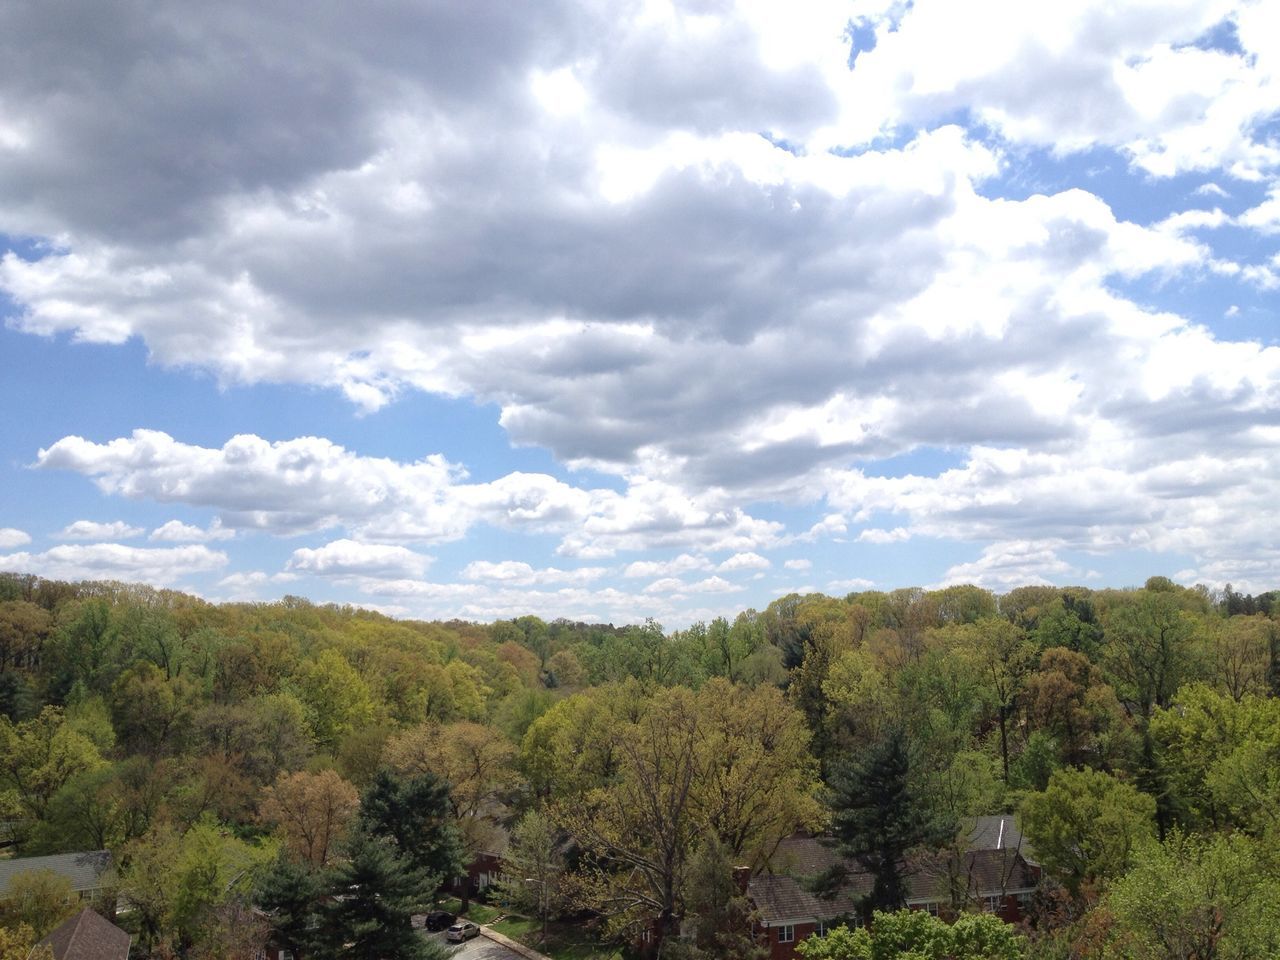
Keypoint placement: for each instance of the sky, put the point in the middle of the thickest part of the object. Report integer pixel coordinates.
(638, 309)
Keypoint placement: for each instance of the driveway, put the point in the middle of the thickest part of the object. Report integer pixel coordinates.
(480, 948)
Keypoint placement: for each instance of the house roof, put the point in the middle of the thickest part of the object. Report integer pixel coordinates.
(999, 832)
(87, 936)
(85, 870)
(783, 892)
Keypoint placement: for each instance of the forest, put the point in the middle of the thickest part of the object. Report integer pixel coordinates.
(312, 774)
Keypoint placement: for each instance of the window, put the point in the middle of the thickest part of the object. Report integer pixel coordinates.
(931, 908)
(992, 904)
(822, 928)
(787, 934)
(1024, 900)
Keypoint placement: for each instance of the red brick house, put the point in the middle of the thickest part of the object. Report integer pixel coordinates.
(993, 873)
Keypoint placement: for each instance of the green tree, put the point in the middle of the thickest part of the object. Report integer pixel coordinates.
(336, 698)
(1003, 657)
(534, 868)
(720, 918)
(38, 757)
(289, 892)
(1086, 826)
(1199, 898)
(40, 899)
(878, 816)
(414, 815)
(914, 935)
(374, 895)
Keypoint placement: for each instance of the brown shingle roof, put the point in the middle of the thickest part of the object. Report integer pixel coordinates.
(87, 936)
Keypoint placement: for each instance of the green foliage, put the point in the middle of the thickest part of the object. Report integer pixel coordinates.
(38, 899)
(289, 892)
(879, 816)
(1086, 826)
(38, 757)
(719, 917)
(1211, 898)
(413, 814)
(915, 935)
(375, 893)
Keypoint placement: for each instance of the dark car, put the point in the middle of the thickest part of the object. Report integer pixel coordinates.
(462, 930)
(438, 920)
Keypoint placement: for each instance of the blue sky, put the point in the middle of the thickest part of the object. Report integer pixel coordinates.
(479, 312)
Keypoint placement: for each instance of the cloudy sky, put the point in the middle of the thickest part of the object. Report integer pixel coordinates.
(615, 309)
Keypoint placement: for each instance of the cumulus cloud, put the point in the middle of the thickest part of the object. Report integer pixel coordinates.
(93, 530)
(350, 558)
(311, 484)
(657, 568)
(115, 561)
(849, 585)
(522, 574)
(744, 561)
(1009, 564)
(175, 531)
(644, 284)
(878, 535)
(798, 564)
(11, 537)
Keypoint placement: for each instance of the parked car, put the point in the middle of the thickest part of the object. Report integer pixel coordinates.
(462, 930)
(439, 920)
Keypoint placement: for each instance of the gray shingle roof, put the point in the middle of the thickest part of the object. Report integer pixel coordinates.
(86, 871)
(999, 832)
(782, 893)
(87, 936)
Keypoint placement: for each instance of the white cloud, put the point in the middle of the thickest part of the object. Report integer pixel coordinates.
(850, 585)
(310, 484)
(522, 574)
(175, 531)
(744, 561)
(93, 530)
(713, 585)
(878, 535)
(645, 286)
(1265, 217)
(114, 561)
(248, 584)
(1009, 564)
(11, 537)
(348, 558)
(683, 563)
(798, 564)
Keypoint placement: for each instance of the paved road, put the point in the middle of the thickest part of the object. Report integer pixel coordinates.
(481, 948)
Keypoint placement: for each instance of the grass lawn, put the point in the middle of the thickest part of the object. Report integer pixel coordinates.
(564, 941)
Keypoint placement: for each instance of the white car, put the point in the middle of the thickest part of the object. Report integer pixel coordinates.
(462, 930)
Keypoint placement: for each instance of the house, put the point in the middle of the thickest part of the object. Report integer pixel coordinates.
(992, 872)
(87, 936)
(88, 872)
(484, 869)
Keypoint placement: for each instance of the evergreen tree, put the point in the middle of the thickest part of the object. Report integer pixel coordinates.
(414, 814)
(290, 894)
(375, 893)
(879, 816)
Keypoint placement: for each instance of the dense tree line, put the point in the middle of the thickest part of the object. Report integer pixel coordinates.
(254, 766)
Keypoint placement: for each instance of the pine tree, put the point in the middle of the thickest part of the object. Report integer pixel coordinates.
(375, 893)
(413, 813)
(879, 816)
(290, 894)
